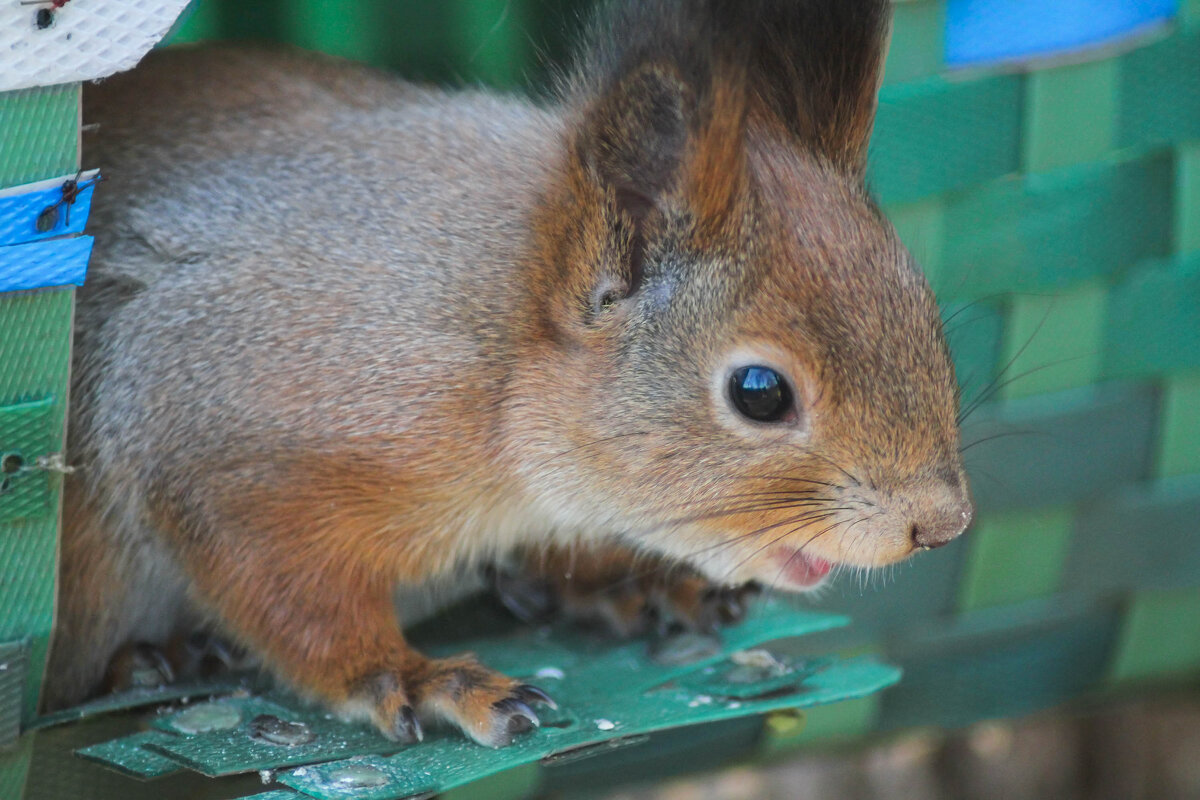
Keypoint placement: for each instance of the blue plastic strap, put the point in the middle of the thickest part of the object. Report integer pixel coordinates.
(981, 31)
(37, 265)
(21, 207)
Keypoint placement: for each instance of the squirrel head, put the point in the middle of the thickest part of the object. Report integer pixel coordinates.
(742, 366)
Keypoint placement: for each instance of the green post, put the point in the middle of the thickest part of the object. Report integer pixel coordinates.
(41, 136)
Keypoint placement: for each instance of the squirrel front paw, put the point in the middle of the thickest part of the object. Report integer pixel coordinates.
(487, 706)
(625, 593)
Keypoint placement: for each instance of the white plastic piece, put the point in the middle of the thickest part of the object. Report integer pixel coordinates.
(86, 39)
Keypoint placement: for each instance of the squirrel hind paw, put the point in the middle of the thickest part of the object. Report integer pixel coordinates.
(623, 602)
(138, 665)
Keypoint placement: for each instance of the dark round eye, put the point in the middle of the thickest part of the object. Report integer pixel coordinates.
(760, 393)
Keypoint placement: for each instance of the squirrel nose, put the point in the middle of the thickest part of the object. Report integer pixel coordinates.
(941, 524)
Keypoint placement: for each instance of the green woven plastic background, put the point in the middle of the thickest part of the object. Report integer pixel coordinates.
(40, 130)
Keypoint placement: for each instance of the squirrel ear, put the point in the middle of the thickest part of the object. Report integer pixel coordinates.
(807, 68)
(632, 142)
(633, 139)
(815, 67)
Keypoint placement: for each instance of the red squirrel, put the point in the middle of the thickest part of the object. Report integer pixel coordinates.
(345, 334)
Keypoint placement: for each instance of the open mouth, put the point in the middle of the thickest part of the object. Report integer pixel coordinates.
(797, 569)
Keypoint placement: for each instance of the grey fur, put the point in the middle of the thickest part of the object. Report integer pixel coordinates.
(270, 183)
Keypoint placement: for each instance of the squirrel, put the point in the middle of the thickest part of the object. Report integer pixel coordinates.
(344, 334)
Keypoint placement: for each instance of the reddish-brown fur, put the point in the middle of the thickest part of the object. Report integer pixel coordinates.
(343, 334)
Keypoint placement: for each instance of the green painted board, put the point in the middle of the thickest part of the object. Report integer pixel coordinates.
(132, 756)
(596, 714)
(230, 749)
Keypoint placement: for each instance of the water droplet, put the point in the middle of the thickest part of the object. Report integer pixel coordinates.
(755, 666)
(605, 724)
(684, 648)
(206, 718)
(550, 672)
(272, 729)
(356, 776)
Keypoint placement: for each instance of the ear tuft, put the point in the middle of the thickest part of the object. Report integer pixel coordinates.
(808, 68)
(633, 138)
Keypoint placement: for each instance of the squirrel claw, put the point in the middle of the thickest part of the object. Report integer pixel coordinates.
(406, 728)
(521, 717)
(732, 602)
(529, 693)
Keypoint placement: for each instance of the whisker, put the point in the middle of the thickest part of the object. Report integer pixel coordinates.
(995, 387)
(803, 480)
(991, 388)
(714, 549)
(775, 505)
(776, 540)
(839, 468)
(1002, 435)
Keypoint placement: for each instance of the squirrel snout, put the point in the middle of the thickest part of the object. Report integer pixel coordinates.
(942, 521)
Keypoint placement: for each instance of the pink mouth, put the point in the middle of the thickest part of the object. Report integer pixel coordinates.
(799, 569)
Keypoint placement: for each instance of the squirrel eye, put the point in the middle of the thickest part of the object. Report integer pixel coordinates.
(760, 394)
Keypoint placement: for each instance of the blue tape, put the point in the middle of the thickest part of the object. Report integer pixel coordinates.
(37, 265)
(20, 210)
(981, 31)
